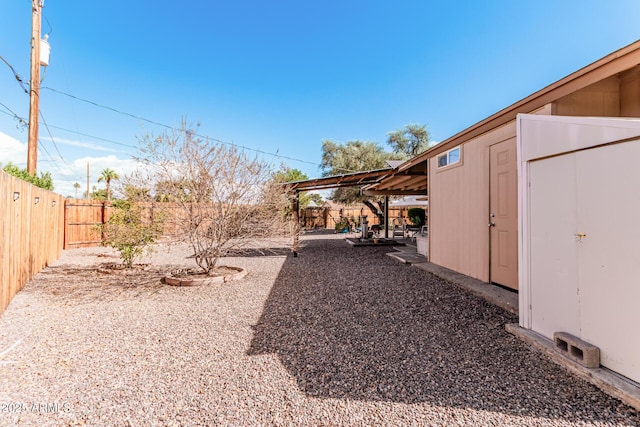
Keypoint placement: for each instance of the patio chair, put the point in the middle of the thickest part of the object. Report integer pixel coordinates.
(399, 230)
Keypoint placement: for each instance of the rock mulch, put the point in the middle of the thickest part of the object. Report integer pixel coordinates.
(337, 336)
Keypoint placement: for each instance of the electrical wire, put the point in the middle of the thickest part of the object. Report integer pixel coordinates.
(276, 155)
(49, 24)
(41, 147)
(22, 123)
(154, 122)
(15, 74)
(111, 141)
(55, 145)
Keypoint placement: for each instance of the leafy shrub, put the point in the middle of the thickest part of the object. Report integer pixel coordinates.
(128, 231)
(43, 181)
(342, 224)
(417, 216)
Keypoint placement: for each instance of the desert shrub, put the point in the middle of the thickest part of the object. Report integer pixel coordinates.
(130, 231)
(225, 199)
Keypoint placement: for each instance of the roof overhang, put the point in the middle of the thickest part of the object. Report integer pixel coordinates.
(408, 179)
(347, 180)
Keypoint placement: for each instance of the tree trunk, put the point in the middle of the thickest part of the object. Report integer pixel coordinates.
(377, 211)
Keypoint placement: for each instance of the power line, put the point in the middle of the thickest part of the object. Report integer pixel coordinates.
(164, 125)
(41, 148)
(93, 136)
(55, 145)
(134, 116)
(16, 75)
(115, 110)
(21, 122)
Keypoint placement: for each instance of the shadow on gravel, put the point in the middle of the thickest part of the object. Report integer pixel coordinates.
(253, 252)
(385, 331)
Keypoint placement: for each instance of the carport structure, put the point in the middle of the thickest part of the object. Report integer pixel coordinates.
(408, 178)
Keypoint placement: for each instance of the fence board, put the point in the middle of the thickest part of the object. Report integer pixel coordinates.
(31, 233)
(328, 217)
(81, 217)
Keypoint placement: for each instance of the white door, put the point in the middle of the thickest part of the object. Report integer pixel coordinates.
(609, 256)
(585, 250)
(554, 254)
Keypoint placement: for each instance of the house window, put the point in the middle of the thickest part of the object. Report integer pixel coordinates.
(449, 158)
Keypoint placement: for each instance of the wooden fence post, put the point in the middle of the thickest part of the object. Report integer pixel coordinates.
(66, 223)
(296, 224)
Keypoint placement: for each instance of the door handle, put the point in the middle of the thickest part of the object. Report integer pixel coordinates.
(491, 216)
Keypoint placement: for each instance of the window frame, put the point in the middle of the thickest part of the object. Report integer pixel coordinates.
(447, 155)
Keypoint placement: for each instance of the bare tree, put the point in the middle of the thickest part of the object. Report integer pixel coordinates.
(225, 199)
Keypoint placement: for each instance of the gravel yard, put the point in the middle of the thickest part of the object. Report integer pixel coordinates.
(337, 336)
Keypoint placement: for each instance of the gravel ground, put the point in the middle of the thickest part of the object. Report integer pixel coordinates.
(336, 336)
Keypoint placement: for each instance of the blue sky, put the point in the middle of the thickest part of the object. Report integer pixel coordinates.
(281, 76)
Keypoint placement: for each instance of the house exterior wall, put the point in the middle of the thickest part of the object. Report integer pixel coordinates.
(459, 207)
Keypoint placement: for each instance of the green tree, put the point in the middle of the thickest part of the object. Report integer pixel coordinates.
(107, 175)
(354, 156)
(43, 181)
(97, 194)
(417, 216)
(76, 185)
(409, 142)
(285, 175)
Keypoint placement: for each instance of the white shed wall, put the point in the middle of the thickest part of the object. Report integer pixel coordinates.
(579, 233)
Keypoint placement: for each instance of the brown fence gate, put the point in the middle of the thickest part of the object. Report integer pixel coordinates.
(81, 219)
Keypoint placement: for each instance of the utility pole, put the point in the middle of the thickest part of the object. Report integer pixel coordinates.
(34, 92)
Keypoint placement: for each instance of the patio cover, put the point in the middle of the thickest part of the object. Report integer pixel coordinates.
(336, 181)
(408, 178)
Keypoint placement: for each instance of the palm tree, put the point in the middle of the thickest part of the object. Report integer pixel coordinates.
(107, 175)
(76, 185)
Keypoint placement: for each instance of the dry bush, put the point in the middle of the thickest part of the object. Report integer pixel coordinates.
(223, 198)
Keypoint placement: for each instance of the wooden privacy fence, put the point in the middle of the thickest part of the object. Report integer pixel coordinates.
(31, 233)
(37, 224)
(80, 220)
(327, 217)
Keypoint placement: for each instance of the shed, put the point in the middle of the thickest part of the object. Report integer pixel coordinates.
(579, 233)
